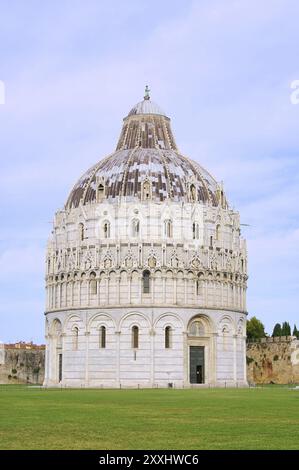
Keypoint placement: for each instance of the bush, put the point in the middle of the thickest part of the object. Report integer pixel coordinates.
(14, 371)
(249, 360)
(255, 329)
(276, 357)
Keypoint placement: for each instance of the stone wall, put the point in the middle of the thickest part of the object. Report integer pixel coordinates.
(273, 360)
(21, 365)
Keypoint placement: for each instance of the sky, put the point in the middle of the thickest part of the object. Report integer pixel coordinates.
(222, 70)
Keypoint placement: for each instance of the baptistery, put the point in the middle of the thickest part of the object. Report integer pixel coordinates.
(146, 270)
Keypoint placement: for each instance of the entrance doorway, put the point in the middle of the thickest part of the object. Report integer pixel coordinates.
(197, 359)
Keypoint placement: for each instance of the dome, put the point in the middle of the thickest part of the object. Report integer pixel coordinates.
(146, 107)
(146, 154)
(124, 172)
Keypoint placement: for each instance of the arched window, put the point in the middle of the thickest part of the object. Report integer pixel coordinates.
(81, 232)
(168, 337)
(135, 228)
(199, 284)
(146, 282)
(199, 287)
(100, 192)
(102, 337)
(106, 228)
(93, 284)
(135, 337)
(75, 338)
(218, 234)
(193, 196)
(146, 190)
(195, 231)
(168, 228)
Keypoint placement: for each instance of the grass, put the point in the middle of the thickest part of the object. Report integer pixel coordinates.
(261, 418)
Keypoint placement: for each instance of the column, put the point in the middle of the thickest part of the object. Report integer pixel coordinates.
(107, 289)
(185, 289)
(59, 295)
(222, 294)
(118, 358)
(61, 351)
(129, 287)
(140, 287)
(118, 288)
(213, 375)
(88, 291)
(185, 360)
(152, 288)
(152, 371)
(244, 360)
(55, 295)
(87, 334)
(233, 295)
(98, 290)
(175, 290)
(206, 292)
(235, 358)
(65, 284)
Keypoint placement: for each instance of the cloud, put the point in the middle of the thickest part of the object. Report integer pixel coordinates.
(221, 70)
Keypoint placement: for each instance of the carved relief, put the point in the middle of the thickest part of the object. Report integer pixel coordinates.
(152, 261)
(196, 262)
(130, 261)
(71, 263)
(87, 260)
(108, 260)
(214, 261)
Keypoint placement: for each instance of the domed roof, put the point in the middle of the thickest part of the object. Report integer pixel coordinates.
(146, 156)
(146, 107)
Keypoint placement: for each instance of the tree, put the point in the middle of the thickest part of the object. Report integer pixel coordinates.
(285, 329)
(277, 330)
(255, 329)
(296, 332)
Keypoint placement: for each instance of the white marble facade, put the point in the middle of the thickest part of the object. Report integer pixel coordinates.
(146, 271)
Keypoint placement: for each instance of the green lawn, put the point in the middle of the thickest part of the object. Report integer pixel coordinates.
(261, 418)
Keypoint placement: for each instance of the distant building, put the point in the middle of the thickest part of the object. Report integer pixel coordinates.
(146, 270)
(24, 345)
